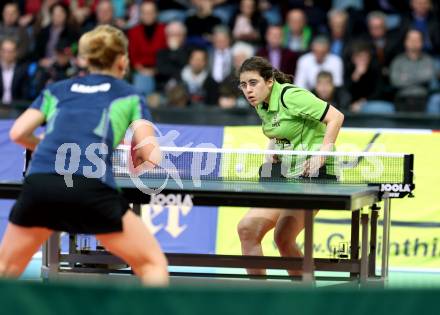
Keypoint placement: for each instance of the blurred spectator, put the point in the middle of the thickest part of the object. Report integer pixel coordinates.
(61, 27)
(145, 40)
(62, 68)
(201, 24)
(337, 21)
(82, 10)
(248, 24)
(327, 91)
(363, 79)
(13, 77)
(386, 44)
(37, 12)
(315, 10)
(229, 94)
(171, 60)
(281, 58)
(423, 19)
(411, 74)
(104, 14)
(195, 76)
(9, 28)
(310, 64)
(297, 34)
(177, 96)
(220, 58)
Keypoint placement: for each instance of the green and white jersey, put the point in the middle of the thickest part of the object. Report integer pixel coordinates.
(293, 118)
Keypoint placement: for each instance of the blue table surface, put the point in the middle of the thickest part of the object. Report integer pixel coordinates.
(312, 189)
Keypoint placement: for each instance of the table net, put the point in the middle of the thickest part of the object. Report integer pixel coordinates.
(255, 165)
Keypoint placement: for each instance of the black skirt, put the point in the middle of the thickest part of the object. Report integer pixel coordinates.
(89, 207)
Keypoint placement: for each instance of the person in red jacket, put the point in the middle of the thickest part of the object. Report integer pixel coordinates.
(145, 40)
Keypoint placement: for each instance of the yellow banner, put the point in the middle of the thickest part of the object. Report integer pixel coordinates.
(415, 221)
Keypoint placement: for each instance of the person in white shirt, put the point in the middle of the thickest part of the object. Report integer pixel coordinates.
(220, 58)
(13, 76)
(319, 59)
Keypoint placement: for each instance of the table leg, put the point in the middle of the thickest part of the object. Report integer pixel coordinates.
(364, 247)
(373, 243)
(308, 264)
(51, 257)
(386, 237)
(354, 240)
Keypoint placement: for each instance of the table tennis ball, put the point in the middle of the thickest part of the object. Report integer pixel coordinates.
(239, 167)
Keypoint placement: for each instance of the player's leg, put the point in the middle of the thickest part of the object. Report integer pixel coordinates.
(18, 246)
(251, 230)
(290, 223)
(138, 247)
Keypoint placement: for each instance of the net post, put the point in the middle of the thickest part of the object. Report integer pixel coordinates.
(408, 169)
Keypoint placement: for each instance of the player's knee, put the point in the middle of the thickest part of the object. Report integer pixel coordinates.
(283, 240)
(249, 231)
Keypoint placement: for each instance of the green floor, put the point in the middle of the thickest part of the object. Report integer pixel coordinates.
(397, 278)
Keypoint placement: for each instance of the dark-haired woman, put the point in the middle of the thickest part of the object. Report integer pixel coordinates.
(293, 119)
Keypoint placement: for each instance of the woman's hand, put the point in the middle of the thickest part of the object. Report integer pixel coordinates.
(311, 166)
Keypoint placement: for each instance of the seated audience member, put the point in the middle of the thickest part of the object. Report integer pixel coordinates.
(104, 14)
(363, 79)
(10, 28)
(281, 58)
(61, 27)
(411, 74)
(171, 60)
(13, 75)
(145, 40)
(220, 58)
(248, 24)
(423, 18)
(196, 78)
(339, 35)
(83, 10)
(327, 91)
(296, 33)
(229, 93)
(386, 43)
(62, 68)
(177, 96)
(310, 64)
(200, 25)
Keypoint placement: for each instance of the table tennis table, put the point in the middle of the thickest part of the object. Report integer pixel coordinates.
(359, 200)
(229, 177)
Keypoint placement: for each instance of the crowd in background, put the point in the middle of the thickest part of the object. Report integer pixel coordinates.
(377, 56)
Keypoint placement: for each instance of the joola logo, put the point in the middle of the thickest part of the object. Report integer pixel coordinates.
(176, 206)
(395, 187)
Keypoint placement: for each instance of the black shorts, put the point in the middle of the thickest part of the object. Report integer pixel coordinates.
(276, 173)
(89, 207)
